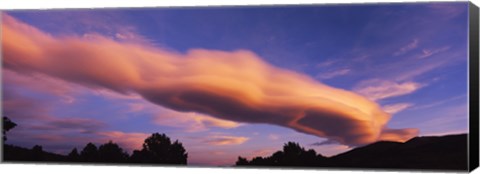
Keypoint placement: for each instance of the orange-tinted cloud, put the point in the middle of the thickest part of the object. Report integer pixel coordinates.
(237, 86)
(191, 121)
(221, 140)
(128, 141)
(395, 108)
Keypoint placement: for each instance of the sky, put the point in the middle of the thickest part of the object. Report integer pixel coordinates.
(235, 81)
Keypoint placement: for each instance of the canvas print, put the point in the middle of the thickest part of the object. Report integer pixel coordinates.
(380, 86)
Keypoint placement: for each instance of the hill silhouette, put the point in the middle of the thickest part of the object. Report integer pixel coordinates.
(20, 154)
(433, 153)
(422, 153)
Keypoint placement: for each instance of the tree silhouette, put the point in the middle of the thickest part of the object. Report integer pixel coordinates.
(7, 125)
(37, 153)
(241, 161)
(159, 149)
(89, 153)
(111, 153)
(73, 156)
(292, 155)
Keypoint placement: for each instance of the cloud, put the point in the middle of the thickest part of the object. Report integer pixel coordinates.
(395, 108)
(222, 140)
(262, 152)
(41, 83)
(326, 63)
(38, 125)
(35, 114)
(63, 142)
(447, 11)
(332, 74)
(14, 106)
(237, 86)
(377, 89)
(76, 123)
(190, 121)
(128, 141)
(412, 45)
(396, 134)
(323, 143)
(427, 53)
(273, 137)
(441, 102)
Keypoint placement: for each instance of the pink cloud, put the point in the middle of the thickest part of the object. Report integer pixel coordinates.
(410, 46)
(428, 52)
(14, 106)
(236, 86)
(395, 108)
(128, 141)
(41, 83)
(378, 89)
(222, 140)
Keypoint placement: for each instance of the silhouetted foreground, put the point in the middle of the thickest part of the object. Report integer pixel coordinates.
(292, 155)
(15, 153)
(430, 153)
(7, 125)
(156, 149)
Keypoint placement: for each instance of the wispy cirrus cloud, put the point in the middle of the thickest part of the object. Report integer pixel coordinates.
(447, 11)
(332, 74)
(395, 108)
(410, 46)
(430, 52)
(326, 63)
(377, 89)
(236, 86)
(441, 102)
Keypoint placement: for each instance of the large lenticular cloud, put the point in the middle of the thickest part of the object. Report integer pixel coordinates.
(235, 86)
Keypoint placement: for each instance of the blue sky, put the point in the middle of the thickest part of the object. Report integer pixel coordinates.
(410, 59)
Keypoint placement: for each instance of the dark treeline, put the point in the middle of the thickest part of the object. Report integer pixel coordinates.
(156, 149)
(292, 155)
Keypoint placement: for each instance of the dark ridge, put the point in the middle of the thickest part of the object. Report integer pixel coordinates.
(20, 154)
(420, 153)
(430, 153)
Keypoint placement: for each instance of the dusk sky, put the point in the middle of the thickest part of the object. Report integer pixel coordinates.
(235, 81)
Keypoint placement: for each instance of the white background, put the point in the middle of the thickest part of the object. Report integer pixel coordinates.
(74, 169)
